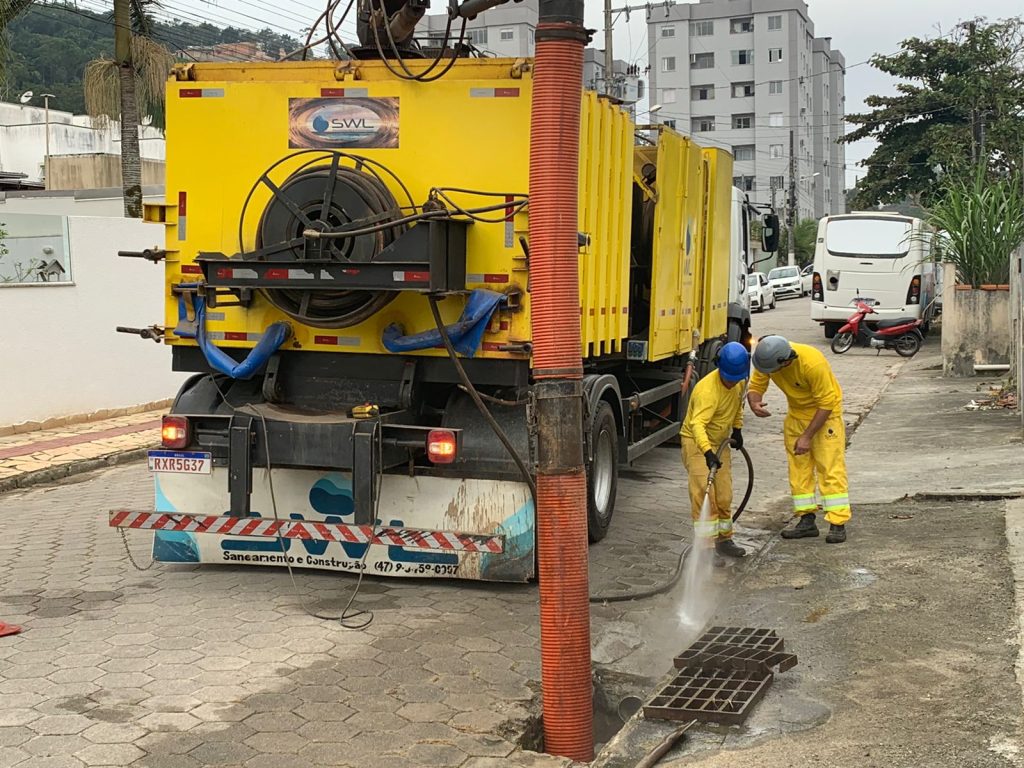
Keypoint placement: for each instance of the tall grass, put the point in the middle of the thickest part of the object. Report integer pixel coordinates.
(981, 223)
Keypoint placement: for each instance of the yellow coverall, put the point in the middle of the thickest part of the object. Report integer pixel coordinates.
(809, 385)
(713, 412)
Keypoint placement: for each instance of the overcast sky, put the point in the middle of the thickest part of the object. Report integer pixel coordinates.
(859, 28)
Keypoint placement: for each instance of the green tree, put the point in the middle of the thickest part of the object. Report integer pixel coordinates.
(806, 235)
(959, 101)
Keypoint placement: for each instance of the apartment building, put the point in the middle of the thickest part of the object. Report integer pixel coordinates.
(508, 31)
(749, 75)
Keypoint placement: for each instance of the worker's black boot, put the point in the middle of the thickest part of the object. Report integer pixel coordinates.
(836, 534)
(729, 548)
(803, 529)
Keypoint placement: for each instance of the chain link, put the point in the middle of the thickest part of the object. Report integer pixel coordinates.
(128, 551)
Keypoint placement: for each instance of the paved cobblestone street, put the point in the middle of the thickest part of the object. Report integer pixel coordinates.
(179, 666)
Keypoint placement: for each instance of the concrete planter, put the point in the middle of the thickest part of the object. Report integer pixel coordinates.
(975, 326)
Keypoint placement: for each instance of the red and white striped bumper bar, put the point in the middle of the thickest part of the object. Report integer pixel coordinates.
(226, 525)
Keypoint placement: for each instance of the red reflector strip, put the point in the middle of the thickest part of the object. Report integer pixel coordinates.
(191, 269)
(224, 525)
(325, 339)
(491, 93)
(495, 278)
(332, 92)
(492, 346)
(506, 93)
(235, 336)
(411, 277)
(201, 93)
(276, 274)
(338, 341)
(509, 209)
(182, 203)
(225, 272)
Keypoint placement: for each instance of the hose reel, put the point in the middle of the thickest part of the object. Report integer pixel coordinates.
(326, 197)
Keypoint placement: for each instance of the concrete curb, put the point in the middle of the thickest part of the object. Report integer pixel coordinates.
(61, 471)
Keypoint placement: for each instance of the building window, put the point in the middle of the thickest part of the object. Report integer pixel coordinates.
(745, 183)
(743, 153)
(774, 54)
(740, 58)
(702, 61)
(669, 124)
(776, 182)
(742, 122)
(668, 95)
(667, 30)
(702, 28)
(744, 24)
(742, 90)
(508, 34)
(702, 92)
(477, 36)
(774, 23)
(668, 64)
(775, 87)
(775, 151)
(775, 119)
(703, 124)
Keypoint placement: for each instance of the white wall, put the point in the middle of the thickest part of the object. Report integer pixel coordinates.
(59, 351)
(23, 138)
(68, 203)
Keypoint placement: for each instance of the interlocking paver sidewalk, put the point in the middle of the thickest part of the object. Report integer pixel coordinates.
(50, 454)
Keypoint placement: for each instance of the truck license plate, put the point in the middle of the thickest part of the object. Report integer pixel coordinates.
(181, 462)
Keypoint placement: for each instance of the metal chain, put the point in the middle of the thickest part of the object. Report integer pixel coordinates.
(131, 558)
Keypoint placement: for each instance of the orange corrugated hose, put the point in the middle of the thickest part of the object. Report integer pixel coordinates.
(555, 310)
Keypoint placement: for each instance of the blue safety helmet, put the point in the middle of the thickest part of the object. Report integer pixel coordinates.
(734, 362)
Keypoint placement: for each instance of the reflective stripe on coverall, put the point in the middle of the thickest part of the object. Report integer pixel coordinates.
(809, 384)
(720, 524)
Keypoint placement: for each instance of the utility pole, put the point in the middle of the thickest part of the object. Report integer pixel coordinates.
(46, 121)
(791, 212)
(609, 59)
(609, 21)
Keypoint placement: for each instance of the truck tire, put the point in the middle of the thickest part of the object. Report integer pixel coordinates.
(831, 329)
(603, 472)
(706, 358)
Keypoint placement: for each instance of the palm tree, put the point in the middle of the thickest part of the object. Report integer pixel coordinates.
(806, 234)
(116, 88)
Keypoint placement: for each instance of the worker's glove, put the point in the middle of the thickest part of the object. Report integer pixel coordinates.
(737, 438)
(712, 460)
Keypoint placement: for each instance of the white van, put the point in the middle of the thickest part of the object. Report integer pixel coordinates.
(882, 259)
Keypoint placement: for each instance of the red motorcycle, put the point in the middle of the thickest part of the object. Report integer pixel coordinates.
(902, 333)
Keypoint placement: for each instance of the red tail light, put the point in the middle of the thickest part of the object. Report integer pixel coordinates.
(914, 293)
(442, 446)
(174, 432)
(817, 294)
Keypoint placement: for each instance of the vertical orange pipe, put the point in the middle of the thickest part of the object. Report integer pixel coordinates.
(557, 373)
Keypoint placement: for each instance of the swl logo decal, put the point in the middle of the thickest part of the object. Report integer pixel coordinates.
(339, 123)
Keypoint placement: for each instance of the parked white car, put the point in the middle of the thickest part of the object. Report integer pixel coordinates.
(806, 280)
(761, 295)
(785, 281)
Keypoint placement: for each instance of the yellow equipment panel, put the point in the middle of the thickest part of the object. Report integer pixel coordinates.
(717, 241)
(228, 124)
(678, 235)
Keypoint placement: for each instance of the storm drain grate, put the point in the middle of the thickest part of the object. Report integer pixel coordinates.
(736, 657)
(709, 695)
(722, 675)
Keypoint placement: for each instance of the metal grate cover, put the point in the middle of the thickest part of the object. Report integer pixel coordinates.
(722, 675)
(709, 695)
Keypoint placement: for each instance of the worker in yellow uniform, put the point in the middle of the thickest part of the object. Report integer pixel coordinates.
(813, 431)
(715, 414)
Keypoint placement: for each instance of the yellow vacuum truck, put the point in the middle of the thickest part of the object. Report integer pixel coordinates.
(314, 211)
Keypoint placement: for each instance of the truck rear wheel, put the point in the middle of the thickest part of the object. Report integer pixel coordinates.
(603, 472)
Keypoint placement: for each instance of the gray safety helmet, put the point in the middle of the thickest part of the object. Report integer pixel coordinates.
(771, 353)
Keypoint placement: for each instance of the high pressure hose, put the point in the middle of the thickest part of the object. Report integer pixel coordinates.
(671, 581)
(557, 373)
